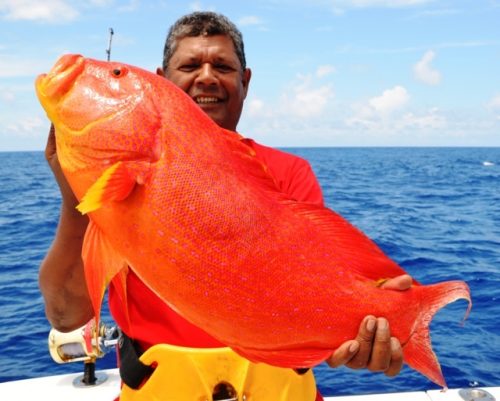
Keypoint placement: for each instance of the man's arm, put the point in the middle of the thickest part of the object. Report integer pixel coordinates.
(61, 277)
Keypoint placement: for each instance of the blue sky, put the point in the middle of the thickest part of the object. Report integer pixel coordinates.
(325, 72)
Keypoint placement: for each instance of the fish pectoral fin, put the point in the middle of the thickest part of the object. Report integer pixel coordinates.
(101, 263)
(115, 184)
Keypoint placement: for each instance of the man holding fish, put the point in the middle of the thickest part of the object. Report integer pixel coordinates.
(204, 56)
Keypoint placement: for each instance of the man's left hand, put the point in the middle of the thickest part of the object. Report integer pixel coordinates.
(374, 348)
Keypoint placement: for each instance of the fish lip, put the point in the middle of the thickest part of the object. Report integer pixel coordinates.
(58, 81)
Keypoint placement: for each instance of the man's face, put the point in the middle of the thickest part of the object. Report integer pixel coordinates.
(208, 69)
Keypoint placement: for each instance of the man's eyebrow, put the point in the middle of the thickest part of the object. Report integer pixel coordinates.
(226, 60)
(189, 59)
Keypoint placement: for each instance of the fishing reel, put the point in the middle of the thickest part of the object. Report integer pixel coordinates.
(85, 344)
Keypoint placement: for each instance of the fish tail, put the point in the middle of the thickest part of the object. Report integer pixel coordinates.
(418, 353)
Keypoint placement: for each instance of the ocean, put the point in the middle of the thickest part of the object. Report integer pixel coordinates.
(436, 211)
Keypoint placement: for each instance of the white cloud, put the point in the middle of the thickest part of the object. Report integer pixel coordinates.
(12, 66)
(339, 6)
(250, 20)
(390, 100)
(378, 3)
(101, 3)
(28, 127)
(424, 71)
(379, 111)
(198, 6)
(254, 107)
(398, 125)
(324, 70)
(305, 100)
(494, 103)
(53, 11)
(431, 120)
(7, 96)
(131, 6)
(297, 116)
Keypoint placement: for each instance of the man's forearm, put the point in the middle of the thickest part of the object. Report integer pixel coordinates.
(61, 278)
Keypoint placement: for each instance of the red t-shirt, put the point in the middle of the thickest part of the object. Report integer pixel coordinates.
(151, 320)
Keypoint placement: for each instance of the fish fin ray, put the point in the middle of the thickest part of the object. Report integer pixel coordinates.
(367, 259)
(115, 184)
(253, 168)
(286, 358)
(369, 262)
(101, 263)
(120, 284)
(418, 353)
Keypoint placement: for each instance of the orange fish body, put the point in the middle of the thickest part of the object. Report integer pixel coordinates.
(187, 206)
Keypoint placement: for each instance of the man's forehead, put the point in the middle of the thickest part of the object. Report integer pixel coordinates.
(220, 46)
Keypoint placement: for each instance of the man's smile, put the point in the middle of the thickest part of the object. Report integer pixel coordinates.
(206, 99)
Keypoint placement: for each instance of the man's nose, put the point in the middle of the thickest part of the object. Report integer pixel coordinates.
(207, 75)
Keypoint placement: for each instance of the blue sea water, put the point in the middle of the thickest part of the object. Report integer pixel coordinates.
(436, 211)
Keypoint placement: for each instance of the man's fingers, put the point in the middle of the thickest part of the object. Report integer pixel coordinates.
(50, 147)
(343, 354)
(396, 358)
(399, 283)
(365, 339)
(381, 353)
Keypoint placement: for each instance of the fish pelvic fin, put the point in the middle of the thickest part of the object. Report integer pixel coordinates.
(101, 263)
(418, 353)
(115, 184)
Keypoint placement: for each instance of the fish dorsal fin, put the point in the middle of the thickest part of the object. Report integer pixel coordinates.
(101, 263)
(251, 166)
(115, 184)
(367, 258)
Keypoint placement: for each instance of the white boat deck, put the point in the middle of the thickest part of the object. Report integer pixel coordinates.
(60, 388)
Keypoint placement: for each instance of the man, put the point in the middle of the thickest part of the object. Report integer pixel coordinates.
(204, 56)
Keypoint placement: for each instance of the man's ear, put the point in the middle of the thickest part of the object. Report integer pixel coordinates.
(245, 79)
(159, 71)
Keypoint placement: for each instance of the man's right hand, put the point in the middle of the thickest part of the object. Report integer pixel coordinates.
(68, 197)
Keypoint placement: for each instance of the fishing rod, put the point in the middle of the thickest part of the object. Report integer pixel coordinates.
(108, 50)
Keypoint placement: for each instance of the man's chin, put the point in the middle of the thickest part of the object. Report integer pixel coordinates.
(215, 115)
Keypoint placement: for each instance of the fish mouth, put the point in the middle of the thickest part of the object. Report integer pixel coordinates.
(58, 81)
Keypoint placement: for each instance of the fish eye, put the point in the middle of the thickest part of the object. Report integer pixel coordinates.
(118, 72)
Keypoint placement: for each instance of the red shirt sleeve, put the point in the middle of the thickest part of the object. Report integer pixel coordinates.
(293, 175)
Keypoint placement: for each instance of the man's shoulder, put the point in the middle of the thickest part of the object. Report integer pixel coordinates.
(293, 174)
(267, 153)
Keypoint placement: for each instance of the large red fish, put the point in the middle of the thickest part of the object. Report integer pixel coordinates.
(187, 206)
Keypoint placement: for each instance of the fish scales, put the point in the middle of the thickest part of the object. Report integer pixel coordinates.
(189, 208)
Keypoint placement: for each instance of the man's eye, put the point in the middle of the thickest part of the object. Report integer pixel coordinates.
(224, 68)
(188, 67)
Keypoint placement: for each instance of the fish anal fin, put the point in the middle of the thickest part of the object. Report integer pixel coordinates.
(115, 184)
(286, 358)
(101, 263)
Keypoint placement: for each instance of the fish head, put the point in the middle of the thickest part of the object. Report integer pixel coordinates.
(103, 112)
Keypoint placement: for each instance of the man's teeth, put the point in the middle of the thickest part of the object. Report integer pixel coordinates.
(205, 100)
